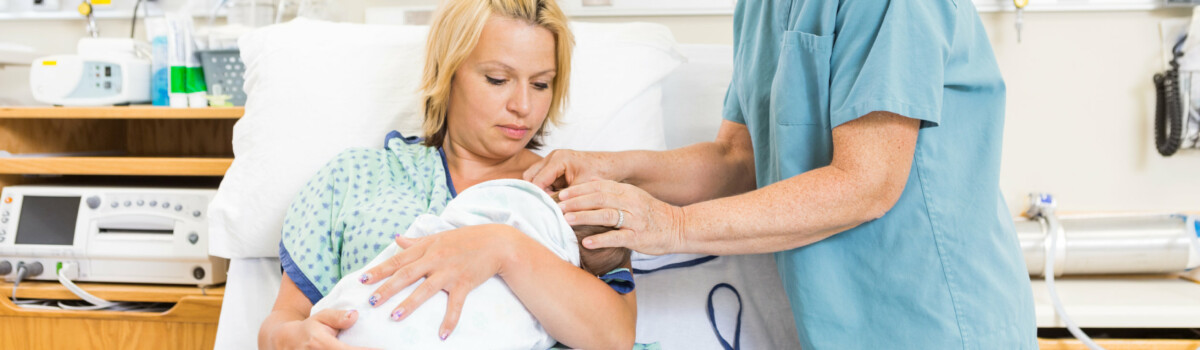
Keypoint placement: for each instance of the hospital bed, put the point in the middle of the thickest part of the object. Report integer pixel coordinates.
(674, 292)
(676, 102)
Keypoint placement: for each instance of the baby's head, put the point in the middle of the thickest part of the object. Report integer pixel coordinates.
(598, 261)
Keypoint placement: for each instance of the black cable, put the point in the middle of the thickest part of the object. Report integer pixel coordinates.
(133, 26)
(1168, 112)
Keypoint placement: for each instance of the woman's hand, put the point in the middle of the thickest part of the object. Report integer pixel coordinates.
(563, 168)
(455, 261)
(646, 224)
(316, 332)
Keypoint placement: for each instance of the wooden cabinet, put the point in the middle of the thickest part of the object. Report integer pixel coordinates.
(114, 146)
(115, 141)
(190, 324)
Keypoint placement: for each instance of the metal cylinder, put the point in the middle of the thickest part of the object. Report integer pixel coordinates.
(1091, 245)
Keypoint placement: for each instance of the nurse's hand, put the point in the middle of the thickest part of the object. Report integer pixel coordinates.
(454, 261)
(647, 225)
(563, 168)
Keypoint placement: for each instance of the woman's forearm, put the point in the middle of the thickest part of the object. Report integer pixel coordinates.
(575, 307)
(272, 324)
(289, 306)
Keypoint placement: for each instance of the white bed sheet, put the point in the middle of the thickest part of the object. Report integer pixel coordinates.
(672, 304)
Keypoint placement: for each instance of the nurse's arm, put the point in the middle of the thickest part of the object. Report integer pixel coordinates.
(680, 176)
(697, 172)
(872, 156)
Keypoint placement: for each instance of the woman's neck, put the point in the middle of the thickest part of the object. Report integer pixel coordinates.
(468, 168)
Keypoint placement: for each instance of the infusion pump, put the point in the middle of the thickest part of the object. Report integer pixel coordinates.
(118, 235)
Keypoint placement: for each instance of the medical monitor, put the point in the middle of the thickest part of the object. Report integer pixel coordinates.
(48, 220)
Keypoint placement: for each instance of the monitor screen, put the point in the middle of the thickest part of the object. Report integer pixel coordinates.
(48, 220)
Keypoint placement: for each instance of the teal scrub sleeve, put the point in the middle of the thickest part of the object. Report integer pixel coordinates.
(732, 110)
(891, 56)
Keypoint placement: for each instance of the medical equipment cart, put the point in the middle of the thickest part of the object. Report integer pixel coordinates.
(114, 146)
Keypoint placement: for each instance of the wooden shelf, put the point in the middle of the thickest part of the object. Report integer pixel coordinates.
(1120, 344)
(155, 293)
(148, 166)
(129, 112)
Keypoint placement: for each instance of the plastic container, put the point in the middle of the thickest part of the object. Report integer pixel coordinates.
(224, 75)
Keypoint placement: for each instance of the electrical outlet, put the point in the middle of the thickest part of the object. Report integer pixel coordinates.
(45, 5)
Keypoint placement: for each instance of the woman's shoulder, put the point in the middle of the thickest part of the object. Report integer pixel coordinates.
(396, 147)
(409, 147)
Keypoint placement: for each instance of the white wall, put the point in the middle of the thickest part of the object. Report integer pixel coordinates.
(1080, 112)
(1080, 101)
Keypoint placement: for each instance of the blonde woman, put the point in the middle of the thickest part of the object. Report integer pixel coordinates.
(496, 73)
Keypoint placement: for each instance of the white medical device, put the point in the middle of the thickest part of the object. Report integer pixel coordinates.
(118, 235)
(1106, 244)
(105, 72)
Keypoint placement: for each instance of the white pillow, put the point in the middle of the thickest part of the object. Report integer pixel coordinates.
(316, 88)
(615, 99)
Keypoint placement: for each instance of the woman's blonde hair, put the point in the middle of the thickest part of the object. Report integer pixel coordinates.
(454, 33)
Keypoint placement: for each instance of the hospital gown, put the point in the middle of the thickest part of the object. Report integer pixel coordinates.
(353, 208)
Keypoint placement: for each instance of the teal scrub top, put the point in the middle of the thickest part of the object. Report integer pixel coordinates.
(943, 268)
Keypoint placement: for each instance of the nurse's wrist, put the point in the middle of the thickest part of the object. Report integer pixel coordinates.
(678, 231)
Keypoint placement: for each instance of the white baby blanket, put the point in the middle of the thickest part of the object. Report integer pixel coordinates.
(492, 316)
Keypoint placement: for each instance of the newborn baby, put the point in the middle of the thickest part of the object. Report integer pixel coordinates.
(492, 317)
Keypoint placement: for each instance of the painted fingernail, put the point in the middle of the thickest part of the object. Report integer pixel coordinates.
(394, 235)
(396, 315)
(445, 334)
(373, 299)
(570, 218)
(365, 277)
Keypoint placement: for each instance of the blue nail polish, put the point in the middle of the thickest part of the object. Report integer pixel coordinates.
(397, 314)
(364, 278)
(373, 299)
(445, 335)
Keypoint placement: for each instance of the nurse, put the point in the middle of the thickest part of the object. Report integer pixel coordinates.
(861, 144)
